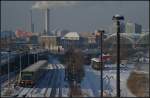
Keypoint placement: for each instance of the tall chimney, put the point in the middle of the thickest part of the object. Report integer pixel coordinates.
(32, 25)
(47, 21)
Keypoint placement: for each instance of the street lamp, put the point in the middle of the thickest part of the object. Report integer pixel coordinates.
(28, 57)
(101, 64)
(20, 63)
(34, 56)
(8, 68)
(117, 19)
(37, 57)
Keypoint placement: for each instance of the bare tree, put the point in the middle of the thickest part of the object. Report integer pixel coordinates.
(74, 71)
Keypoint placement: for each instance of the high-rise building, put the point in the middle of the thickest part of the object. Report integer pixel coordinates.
(133, 28)
(114, 26)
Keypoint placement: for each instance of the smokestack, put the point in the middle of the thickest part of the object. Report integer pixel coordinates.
(32, 25)
(47, 21)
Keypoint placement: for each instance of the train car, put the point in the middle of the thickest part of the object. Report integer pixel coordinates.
(96, 63)
(31, 74)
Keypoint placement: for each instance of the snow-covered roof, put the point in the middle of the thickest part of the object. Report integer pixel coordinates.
(96, 59)
(71, 36)
(86, 34)
(34, 67)
(127, 37)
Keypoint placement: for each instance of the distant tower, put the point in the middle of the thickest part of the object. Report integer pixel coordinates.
(133, 27)
(47, 21)
(32, 25)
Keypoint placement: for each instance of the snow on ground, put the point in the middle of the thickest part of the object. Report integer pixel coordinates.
(87, 93)
(91, 81)
(4, 79)
(124, 74)
(109, 80)
(65, 92)
(53, 83)
(24, 92)
(47, 94)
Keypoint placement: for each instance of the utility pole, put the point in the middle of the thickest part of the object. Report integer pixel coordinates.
(117, 19)
(34, 56)
(8, 69)
(37, 57)
(28, 57)
(20, 64)
(101, 45)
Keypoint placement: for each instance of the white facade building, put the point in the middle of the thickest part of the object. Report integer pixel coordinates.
(133, 28)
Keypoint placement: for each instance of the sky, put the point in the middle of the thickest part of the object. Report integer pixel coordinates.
(76, 16)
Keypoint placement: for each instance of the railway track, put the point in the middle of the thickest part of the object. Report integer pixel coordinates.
(37, 89)
(27, 92)
(54, 83)
(61, 79)
(47, 92)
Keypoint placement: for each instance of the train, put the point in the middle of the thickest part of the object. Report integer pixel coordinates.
(30, 75)
(98, 64)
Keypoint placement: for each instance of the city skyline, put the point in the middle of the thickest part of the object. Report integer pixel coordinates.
(74, 49)
(79, 16)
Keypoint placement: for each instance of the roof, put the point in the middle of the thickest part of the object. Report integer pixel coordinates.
(144, 39)
(86, 34)
(96, 59)
(71, 36)
(92, 51)
(125, 38)
(35, 66)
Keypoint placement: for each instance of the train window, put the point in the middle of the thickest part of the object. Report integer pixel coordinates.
(26, 76)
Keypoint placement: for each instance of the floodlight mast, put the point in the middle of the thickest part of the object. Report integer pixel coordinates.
(101, 57)
(117, 19)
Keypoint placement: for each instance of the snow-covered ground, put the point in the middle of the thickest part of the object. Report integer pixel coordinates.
(92, 80)
(52, 84)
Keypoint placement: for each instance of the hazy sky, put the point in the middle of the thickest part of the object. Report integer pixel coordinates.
(78, 16)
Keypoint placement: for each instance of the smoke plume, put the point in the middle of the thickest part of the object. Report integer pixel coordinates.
(53, 4)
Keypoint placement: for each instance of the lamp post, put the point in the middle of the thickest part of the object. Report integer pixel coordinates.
(27, 51)
(34, 56)
(117, 19)
(20, 63)
(28, 54)
(101, 64)
(8, 68)
(37, 57)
